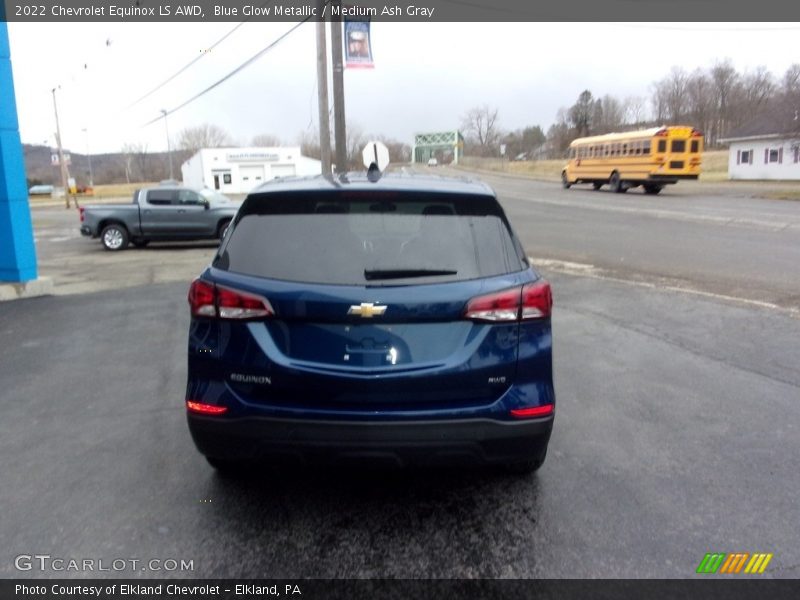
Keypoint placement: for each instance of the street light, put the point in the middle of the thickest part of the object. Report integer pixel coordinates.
(89, 157)
(169, 150)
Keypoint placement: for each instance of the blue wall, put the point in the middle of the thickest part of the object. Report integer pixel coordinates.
(17, 251)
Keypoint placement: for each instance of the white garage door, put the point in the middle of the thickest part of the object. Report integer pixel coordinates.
(282, 170)
(252, 175)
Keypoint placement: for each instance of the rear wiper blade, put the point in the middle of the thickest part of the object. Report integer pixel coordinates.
(375, 274)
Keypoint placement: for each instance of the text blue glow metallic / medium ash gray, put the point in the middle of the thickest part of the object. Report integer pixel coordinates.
(395, 321)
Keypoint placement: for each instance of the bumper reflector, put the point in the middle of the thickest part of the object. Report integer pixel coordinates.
(205, 409)
(533, 411)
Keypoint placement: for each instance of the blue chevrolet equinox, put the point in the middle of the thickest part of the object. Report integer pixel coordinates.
(395, 321)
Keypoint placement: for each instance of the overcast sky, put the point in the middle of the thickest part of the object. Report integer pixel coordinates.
(426, 76)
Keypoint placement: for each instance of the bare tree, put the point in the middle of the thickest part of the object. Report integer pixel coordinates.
(609, 115)
(142, 159)
(635, 110)
(757, 89)
(398, 151)
(791, 80)
(559, 136)
(356, 140)
(480, 127)
(127, 152)
(725, 81)
(700, 100)
(203, 136)
(309, 144)
(266, 139)
(677, 98)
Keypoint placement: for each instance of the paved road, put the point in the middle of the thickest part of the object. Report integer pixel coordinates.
(741, 247)
(676, 433)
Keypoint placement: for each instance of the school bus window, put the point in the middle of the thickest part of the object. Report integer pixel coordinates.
(646, 148)
(678, 146)
(662, 145)
(695, 146)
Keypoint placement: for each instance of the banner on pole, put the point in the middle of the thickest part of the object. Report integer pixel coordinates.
(357, 45)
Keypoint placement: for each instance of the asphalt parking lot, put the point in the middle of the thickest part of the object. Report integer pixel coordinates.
(676, 431)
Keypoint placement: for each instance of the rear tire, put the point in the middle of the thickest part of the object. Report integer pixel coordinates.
(114, 237)
(526, 467)
(652, 189)
(615, 183)
(564, 181)
(227, 467)
(597, 185)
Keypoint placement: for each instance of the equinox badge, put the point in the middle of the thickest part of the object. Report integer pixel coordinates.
(367, 310)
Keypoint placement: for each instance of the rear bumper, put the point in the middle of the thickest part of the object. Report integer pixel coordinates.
(410, 443)
(666, 178)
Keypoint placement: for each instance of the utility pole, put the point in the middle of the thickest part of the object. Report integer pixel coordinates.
(169, 150)
(322, 99)
(340, 128)
(62, 164)
(89, 157)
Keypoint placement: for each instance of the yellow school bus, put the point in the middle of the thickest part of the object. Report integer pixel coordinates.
(651, 158)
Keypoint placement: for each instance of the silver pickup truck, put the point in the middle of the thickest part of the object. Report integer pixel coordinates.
(159, 214)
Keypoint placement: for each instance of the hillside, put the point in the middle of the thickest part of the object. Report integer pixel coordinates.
(106, 168)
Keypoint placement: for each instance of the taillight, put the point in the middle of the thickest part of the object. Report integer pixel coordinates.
(202, 299)
(205, 409)
(210, 300)
(537, 300)
(662, 133)
(532, 301)
(80, 210)
(533, 411)
(501, 306)
(697, 133)
(234, 304)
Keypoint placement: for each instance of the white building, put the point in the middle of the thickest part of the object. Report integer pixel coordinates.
(763, 149)
(239, 170)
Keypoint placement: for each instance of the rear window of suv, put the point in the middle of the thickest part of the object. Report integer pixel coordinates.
(371, 238)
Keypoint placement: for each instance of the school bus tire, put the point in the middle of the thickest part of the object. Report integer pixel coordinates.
(564, 181)
(652, 188)
(616, 185)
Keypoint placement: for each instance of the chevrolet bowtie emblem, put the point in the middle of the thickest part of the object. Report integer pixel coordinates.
(366, 310)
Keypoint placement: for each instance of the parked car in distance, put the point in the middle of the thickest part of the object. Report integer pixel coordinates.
(432, 162)
(396, 321)
(40, 190)
(164, 213)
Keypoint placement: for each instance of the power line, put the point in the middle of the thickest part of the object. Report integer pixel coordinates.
(245, 64)
(193, 61)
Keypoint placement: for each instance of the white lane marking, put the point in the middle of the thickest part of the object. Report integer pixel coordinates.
(587, 270)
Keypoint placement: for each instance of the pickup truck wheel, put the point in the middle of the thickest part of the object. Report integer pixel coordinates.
(114, 237)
